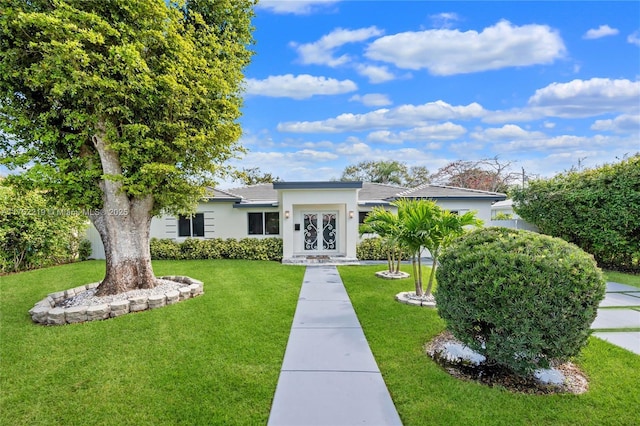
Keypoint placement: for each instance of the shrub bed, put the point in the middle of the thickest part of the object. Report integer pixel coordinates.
(375, 249)
(521, 299)
(217, 248)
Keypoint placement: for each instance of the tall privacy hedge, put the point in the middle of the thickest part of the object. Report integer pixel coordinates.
(521, 299)
(596, 209)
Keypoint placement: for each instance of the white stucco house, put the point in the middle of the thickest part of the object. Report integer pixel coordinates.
(312, 218)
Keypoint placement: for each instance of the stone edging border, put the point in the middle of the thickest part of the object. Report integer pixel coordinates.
(405, 298)
(45, 311)
(392, 275)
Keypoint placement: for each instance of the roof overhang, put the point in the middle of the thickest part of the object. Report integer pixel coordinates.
(317, 185)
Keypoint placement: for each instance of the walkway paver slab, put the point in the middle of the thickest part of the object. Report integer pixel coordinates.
(328, 349)
(629, 340)
(326, 292)
(616, 318)
(325, 314)
(332, 399)
(617, 287)
(621, 299)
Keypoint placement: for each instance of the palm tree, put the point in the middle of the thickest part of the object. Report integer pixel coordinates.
(446, 227)
(385, 224)
(416, 219)
(423, 224)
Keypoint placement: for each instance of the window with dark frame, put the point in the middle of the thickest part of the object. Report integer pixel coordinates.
(264, 223)
(192, 226)
(362, 216)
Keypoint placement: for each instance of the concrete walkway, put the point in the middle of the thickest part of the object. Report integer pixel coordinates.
(329, 376)
(619, 309)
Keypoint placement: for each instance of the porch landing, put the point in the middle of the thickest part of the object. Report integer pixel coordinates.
(320, 260)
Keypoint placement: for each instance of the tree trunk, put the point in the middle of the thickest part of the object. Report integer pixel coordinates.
(416, 276)
(432, 274)
(124, 225)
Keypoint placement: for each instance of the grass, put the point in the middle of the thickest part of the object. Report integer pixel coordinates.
(214, 359)
(622, 278)
(425, 394)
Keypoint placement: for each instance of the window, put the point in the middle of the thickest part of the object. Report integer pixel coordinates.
(264, 223)
(362, 216)
(191, 226)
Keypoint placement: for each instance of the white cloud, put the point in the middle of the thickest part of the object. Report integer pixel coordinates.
(356, 149)
(601, 31)
(506, 132)
(625, 123)
(440, 132)
(372, 99)
(584, 98)
(444, 20)
(322, 52)
(402, 116)
(634, 38)
(375, 73)
(448, 52)
(296, 7)
(302, 86)
(313, 155)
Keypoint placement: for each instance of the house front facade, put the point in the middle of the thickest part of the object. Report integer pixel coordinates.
(314, 219)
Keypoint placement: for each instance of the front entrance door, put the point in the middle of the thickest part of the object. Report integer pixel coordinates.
(320, 232)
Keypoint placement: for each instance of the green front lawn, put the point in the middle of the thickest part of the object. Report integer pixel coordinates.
(425, 394)
(622, 278)
(214, 359)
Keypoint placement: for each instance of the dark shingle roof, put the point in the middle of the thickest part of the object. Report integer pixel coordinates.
(440, 191)
(261, 192)
(371, 193)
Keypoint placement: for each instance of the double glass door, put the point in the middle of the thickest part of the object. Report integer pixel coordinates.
(320, 232)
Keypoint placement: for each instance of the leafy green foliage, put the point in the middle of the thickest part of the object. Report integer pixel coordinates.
(217, 248)
(520, 298)
(376, 249)
(424, 224)
(386, 172)
(158, 82)
(597, 209)
(35, 233)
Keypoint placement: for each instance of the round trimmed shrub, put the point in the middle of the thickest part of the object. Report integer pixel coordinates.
(519, 298)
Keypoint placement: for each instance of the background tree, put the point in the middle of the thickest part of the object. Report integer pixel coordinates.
(596, 209)
(489, 174)
(386, 172)
(254, 176)
(123, 109)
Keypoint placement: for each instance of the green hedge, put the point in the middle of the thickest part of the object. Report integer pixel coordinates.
(217, 248)
(34, 233)
(374, 249)
(521, 299)
(596, 209)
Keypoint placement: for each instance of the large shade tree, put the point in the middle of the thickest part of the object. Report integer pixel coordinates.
(123, 108)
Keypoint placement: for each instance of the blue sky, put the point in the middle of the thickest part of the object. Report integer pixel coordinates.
(545, 85)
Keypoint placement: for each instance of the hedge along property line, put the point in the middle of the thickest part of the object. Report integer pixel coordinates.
(45, 311)
(217, 248)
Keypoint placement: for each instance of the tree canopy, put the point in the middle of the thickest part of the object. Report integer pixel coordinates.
(489, 174)
(386, 172)
(122, 108)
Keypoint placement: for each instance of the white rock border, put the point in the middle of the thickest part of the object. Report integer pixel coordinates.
(410, 298)
(392, 275)
(45, 311)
